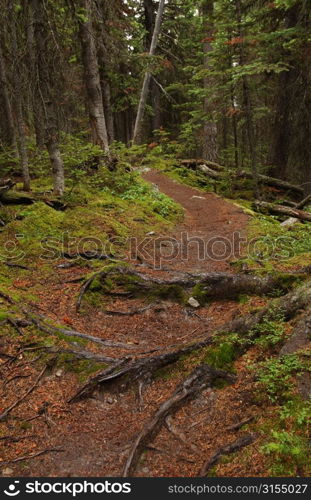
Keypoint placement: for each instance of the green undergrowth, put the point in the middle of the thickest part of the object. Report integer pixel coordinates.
(106, 206)
(270, 246)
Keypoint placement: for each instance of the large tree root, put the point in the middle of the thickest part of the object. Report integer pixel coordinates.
(300, 337)
(213, 285)
(143, 368)
(200, 378)
(289, 306)
(74, 333)
(227, 450)
(135, 370)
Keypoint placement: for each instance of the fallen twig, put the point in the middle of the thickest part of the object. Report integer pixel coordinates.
(8, 410)
(227, 450)
(33, 455)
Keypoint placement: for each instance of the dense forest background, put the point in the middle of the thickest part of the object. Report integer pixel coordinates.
(225, 80)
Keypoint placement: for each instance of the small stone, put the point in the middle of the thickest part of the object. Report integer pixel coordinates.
(7, 472)
(59, 373)
(110, 401)
(152, 233)
(193, 302)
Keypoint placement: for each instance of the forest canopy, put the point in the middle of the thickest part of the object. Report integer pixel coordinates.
(227, 81)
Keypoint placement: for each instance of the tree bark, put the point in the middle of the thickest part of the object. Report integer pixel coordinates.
(38, 115)
(147, 78)
(41, 33)
(8, 112)
(18, 105)
(92, 79)
(210, 149)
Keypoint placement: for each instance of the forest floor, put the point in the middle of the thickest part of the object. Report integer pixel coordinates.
(93, 437)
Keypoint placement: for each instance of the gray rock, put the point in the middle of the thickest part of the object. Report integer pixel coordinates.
(193, 302)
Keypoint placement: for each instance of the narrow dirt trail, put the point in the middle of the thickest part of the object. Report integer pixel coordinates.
(96, 434)
(214, 226)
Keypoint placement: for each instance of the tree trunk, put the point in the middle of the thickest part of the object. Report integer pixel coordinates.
(247, 104)
(38, 115)
(11, 135)
(210, 149)
(147, 78)
(92, 80)
(41, 33)
(18, 92)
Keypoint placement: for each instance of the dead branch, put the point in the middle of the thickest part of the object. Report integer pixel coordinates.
(7, 298)
(33, 455)
(237, 445)
(238, 425)
(8, 410)
(200, 378)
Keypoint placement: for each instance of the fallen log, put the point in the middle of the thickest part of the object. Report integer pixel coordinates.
(209, 172)
(227, 450)
(304, 202)
(272, 181)
(293, 220)
(202, 377)
(263, 206)
(14, 198)
(195, 162)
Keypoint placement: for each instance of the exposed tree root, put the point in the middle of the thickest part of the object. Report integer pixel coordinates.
(133, 312)
(200, 378)
(141, 369)
(74, 333)
(238, 425)
(213, 285)
(227, 450)
(300, 336)
(88, 256)
(289, 305)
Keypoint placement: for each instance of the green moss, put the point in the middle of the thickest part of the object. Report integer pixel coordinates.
(83, 368)
(168, 292)
(221, 356)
